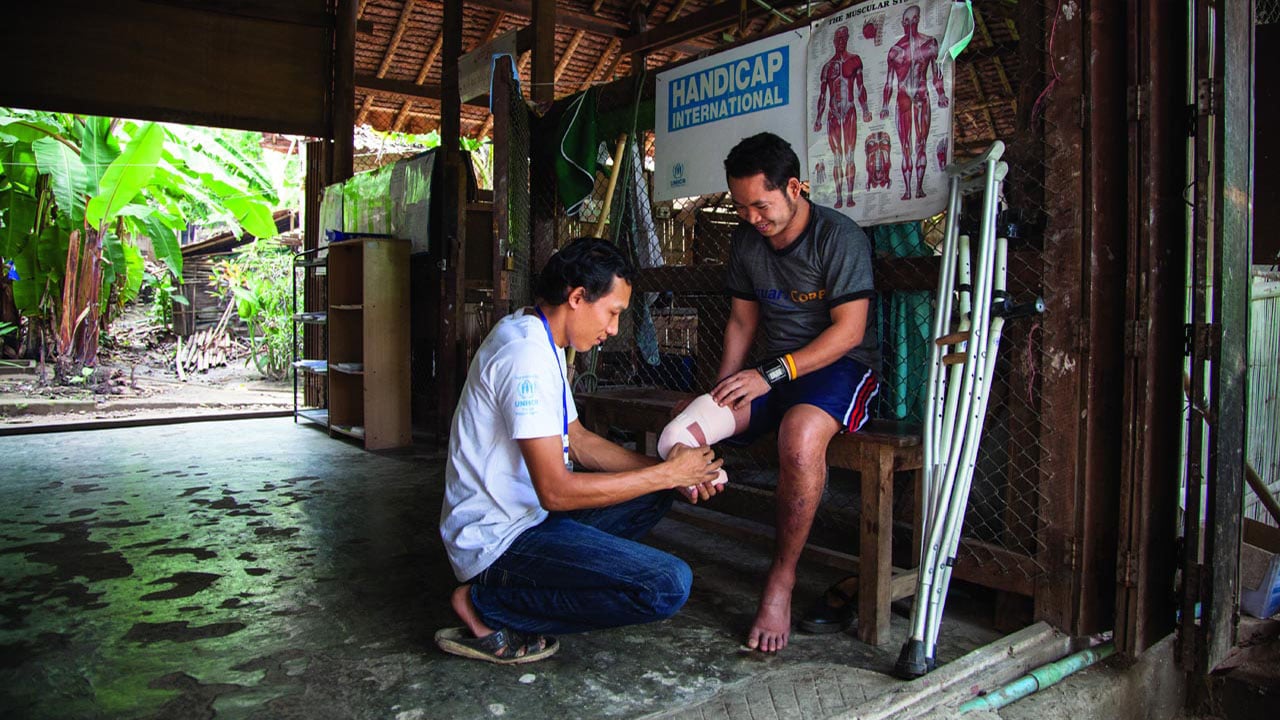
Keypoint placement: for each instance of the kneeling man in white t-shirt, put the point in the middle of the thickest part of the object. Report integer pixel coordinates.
(542, 549)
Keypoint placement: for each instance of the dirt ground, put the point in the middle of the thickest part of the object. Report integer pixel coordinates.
(136, 377)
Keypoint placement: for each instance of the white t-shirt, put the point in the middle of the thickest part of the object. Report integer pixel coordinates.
(513, 391)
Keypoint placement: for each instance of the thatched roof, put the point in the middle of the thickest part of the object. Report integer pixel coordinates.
(398, 53)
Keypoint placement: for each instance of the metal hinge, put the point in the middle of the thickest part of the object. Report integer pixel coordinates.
(1071, 553)
(1203, 340)
(1127, 571)
(1137, 100)
(1135, 338)
(1206, 96)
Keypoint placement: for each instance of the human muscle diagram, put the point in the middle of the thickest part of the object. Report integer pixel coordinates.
(841, 82)
(878, 148)
(877, 79)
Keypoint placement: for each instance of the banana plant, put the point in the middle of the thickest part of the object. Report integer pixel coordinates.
(75, 193)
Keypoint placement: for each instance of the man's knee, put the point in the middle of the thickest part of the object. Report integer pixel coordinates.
(668, 588)
(803, 440)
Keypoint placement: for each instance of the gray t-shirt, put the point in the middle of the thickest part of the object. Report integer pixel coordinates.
(829, 264)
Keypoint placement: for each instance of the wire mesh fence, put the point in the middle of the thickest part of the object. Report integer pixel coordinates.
(671, 337)
(1267, 12)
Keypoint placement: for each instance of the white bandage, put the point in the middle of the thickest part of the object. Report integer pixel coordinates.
(703, 416)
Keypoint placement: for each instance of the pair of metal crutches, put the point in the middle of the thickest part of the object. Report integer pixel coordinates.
(959, 386)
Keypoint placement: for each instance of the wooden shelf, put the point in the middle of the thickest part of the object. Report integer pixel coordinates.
(319, 416)
(355, 431)
(317, 367)
(368, 354)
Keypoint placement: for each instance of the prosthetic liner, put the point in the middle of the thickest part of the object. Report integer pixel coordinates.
(702, 423)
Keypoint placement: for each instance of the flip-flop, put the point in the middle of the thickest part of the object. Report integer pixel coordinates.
(822, 618)
(504, 647)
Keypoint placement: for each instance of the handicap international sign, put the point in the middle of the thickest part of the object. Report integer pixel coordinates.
(704, 108)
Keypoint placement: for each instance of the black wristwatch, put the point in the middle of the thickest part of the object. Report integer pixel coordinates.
(775, 370)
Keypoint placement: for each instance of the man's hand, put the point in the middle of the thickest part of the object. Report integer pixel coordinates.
(942, 101)
(692, 466)
(705, 491)
(817, 125)
(866, 116)
(884, 112)
(739, 389)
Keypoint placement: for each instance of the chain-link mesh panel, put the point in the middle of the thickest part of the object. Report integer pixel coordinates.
(1268, 12)
(671, 338)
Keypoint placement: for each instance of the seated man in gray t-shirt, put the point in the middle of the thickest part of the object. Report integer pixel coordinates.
(801, 274)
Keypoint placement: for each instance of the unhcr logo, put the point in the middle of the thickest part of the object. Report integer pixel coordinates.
(677, 175)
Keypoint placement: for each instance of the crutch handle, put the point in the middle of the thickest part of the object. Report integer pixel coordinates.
(954, 358)
(975, 165)
(1009, 310)
(952, 339)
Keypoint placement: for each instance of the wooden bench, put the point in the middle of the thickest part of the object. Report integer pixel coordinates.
(875, 453)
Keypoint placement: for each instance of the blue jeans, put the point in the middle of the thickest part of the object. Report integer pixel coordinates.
(583, 570)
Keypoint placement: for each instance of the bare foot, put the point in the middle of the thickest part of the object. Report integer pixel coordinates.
(462, 607)
(772, 626)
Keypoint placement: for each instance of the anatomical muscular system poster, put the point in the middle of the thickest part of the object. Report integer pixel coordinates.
(879, 110)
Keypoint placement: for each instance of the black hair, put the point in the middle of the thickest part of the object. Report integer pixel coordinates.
(763, 153)
(586, 262)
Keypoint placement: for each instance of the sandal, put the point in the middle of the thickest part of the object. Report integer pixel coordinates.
(504, 647)
(822, 617)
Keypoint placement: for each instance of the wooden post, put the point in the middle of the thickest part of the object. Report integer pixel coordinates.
(344, 91)
(544, 50)
(453, 202)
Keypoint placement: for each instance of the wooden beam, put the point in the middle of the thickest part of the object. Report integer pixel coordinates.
(609, 50)
(448, 253)
(404, 113)
(544, 51)
(252, 10)
(565, 18)
(392, 46)
(430, 59)
(344, 98)
(707, 20)
(406, 90)
(401, 25)
(568, 53)
(492, 32)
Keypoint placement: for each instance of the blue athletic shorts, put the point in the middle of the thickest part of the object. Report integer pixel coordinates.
(844, 389)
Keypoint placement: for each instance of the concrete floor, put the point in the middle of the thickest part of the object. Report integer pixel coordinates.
(254, 568)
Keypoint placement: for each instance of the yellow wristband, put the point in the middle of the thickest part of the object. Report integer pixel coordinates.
(791, 365)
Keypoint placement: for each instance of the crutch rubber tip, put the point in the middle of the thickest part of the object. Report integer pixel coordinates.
(912, 662)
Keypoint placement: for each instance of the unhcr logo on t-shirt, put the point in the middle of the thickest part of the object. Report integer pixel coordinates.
(746, 85)
(527, 392)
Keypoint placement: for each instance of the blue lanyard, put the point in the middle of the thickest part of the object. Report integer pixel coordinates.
(564, 390)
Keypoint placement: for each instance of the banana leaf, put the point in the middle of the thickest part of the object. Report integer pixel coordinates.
(69, 180)
(127, 175)
(98, 148)
(19, 220)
